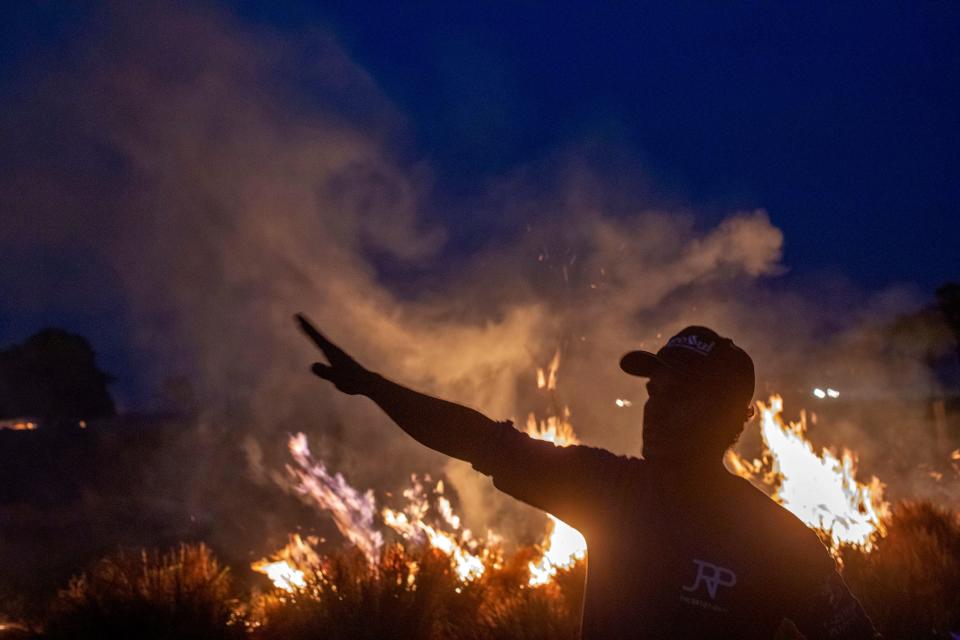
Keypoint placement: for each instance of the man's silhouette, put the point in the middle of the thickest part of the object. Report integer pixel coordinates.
(678, 547)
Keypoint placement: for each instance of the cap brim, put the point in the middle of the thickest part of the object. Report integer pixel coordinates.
(644, 364)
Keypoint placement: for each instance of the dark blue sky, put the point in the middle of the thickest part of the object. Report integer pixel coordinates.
(842, 120)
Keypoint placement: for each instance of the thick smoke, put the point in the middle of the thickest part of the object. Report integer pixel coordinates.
(224, 200)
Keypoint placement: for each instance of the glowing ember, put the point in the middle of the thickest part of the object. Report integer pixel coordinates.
(821, 490)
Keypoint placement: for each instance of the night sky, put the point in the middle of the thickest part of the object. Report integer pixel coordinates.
(840, 120)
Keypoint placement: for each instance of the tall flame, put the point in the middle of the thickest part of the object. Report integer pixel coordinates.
(548, 379)
(458, 543)
(427, 518)
(353, 512)
(820, 489)
(563, 545)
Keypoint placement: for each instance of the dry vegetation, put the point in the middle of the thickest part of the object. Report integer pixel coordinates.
(184, 593)
(415, 594)
(910, 585)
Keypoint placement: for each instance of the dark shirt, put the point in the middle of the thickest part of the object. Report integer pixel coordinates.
(674, 556)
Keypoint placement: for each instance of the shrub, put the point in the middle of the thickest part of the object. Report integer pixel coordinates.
(182, 594)
(910, 584)
(414, 593)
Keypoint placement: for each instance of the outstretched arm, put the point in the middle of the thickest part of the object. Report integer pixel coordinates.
(564, 481)
(444, 426)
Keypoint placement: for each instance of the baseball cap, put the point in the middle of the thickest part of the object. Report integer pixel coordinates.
(702, 354)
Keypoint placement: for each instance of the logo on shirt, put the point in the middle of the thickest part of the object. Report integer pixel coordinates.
(712, 577)
(694, 343)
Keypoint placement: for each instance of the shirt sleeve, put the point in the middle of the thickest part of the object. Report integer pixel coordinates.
(829, 610)
(567, 482)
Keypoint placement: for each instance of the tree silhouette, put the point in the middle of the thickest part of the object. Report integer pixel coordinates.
(53, 376)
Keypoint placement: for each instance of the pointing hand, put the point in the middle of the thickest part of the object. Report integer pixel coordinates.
(344, 372)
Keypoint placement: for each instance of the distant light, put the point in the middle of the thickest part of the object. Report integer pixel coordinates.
(620, 402)
(829, 393)
(18, 424)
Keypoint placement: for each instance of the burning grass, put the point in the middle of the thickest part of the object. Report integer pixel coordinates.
(416, 593)
(908, 582)
(413, 570)
(413, 591)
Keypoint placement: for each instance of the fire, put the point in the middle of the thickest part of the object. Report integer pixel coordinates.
(286, 569)
(427, 519)
(548, 379)
(820, 489)
(563, 545)
(458, 543)
(281, 574)
(353, 512)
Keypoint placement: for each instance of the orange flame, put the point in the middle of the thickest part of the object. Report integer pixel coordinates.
(563, 545)
(353, 512)
(820, 489)
(458, 544)
(286, 568)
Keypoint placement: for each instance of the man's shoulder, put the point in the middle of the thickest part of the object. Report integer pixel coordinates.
(778, 526)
